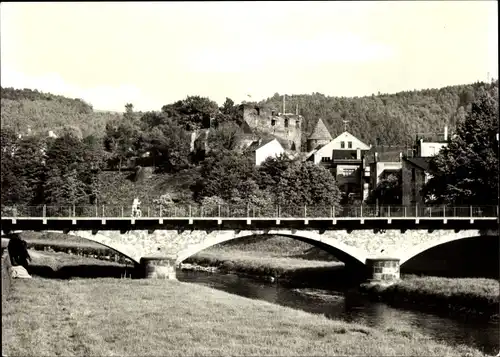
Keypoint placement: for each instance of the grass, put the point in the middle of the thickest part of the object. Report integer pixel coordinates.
(258, 263)
(471, 295)
(110, 317)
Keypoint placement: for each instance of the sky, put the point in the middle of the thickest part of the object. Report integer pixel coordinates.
(155, 53)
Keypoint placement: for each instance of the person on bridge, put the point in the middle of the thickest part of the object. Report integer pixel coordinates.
(136, 210)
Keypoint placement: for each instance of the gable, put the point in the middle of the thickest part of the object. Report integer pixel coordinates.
(345, 138)
(272, 144)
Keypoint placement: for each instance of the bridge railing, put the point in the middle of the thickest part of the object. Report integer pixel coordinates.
(252, 211)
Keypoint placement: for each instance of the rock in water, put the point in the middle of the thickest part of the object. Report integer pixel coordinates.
(19, 272)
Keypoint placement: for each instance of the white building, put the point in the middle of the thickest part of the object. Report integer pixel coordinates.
(262, 149)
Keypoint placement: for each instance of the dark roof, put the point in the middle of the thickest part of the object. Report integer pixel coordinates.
(421, 162)
(320, 131)
(256, 145)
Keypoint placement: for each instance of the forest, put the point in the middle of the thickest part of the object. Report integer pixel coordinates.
(72, 168)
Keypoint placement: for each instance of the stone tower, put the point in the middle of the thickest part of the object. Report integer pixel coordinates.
(319, 136)
(287, 128)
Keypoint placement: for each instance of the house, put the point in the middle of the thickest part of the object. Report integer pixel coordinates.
(260, 150)
(343, 156)
(415, 170)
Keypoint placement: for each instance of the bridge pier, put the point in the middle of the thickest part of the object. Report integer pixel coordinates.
(382, 270)
(158, 268)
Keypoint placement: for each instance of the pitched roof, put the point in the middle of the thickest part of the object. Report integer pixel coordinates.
(320, 131)
(421, 162)
(258, 144)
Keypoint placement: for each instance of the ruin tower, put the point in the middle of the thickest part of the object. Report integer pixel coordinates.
(319, 136)
(287, 128)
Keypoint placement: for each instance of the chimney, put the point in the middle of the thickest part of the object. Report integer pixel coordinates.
(400, 156)
(446, 133)
(376, 156)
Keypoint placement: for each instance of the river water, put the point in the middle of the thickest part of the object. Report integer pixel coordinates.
(350, 306)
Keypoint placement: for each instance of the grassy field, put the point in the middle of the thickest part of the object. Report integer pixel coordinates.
(476, 295)
(110, 317)
(254, 262)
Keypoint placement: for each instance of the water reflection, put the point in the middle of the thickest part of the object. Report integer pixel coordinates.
(350, 306)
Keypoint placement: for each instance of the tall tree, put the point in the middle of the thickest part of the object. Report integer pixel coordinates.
(466, 171)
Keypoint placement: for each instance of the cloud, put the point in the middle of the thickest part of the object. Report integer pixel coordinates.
(335, 48)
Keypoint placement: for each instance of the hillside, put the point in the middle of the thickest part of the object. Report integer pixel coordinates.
(23, 108)
(385, 119)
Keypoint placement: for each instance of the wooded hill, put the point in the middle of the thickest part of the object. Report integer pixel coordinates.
(383, 119)
(23, 108)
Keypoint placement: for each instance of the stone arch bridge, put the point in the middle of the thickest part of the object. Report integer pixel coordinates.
(159, 252)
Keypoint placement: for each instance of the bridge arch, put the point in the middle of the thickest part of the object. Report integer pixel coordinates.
(126, 250)
(422, 247)
(346, 253)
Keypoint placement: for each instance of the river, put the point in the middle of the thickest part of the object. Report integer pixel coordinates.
(350, 306)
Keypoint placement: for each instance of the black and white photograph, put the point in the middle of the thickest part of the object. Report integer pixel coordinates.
(250, 178)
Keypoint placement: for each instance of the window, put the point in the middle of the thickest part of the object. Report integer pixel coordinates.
(286, 123)
(342, 145)
(348, 171)
(273, 113)
(273, 122)
(297, 123)
(349, 144)
(326, 158)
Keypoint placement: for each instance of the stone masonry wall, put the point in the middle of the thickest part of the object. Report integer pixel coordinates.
(359, 244)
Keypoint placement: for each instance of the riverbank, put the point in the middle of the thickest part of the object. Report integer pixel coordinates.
(464, 296)
(102, 317)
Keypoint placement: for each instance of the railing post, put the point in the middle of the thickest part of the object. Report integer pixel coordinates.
(388, 211)
(333, 211)
(189, 210)
(74, 211)
(218, 210)
(470, 209)
(444, 211)
(161, 211)
(44, 211)
(69, 211)
(96, 211)
(404, 210)
(361, 210)
(279, 211)
(430, 211)
(305, 210)
(103, 210)
(148, 211)
(122, 211)
(454, 211)
(248, 209)
(416, 209)
(14, 211)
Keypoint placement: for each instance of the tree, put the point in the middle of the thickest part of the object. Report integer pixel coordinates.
(466, 171)
(307, 184)
(192, 113)
(271, 169)
(121, 140)
(227, 136)
(169, 144)
(226, 174)
(22, 168)
(388, 191)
